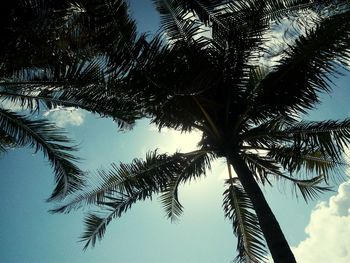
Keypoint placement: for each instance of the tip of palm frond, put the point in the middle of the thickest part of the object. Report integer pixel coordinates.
(44, 136)
(95, 227)
(59, 210)
(311, 189)
(67, 184)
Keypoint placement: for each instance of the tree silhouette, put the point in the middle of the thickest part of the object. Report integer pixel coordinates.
(248, 114)
(52, 56)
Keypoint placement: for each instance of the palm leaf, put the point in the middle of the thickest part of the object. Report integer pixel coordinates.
(123, 185)
(331, 138)
(261, 166)
(195, 166)
(328, 139)
(83, 86)
(95, 225)
(95, 229)
(154, 173)
(6, 141)
(310, 189)
(239, 209)
(44, 136)
(311, 160)
(305, 68)
(204, 9)
(178, 25)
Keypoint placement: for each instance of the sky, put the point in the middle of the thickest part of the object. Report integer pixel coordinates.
(318, 231)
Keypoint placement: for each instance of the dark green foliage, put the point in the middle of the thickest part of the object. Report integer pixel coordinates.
(184, 79)
(124, 184)
(304, 70)
(239, 209)
(202, 8)
(44, 136)
(217, 85)
(53, 54)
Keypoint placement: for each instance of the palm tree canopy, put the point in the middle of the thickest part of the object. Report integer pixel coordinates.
(248, 113)
(52, 55)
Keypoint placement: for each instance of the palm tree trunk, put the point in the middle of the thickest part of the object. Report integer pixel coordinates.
(277, 243)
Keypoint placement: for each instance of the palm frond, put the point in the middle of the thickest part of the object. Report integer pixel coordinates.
(310, 189)
(178, 24)
(195, 165)
(95, 228)
(331, 138)
(304, 69)
(275, 10)
(239, 209)
(6, 141)
(46, 137)
(115, 206)
(310, 160)
(32, 88)
(74, 72)
(123, 185)
(323, 139)
(86, 89)
(204, 9)
(262, 14)
(170, 200)
(152, 174)
(258, 133)
(261, 166)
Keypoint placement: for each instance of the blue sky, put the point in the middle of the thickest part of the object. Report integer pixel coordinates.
(28, 233)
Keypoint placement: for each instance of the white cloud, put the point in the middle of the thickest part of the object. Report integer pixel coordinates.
(62, 116)
(66, 116)
(328, 231)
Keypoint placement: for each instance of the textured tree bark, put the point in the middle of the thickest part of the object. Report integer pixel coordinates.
(276, 242)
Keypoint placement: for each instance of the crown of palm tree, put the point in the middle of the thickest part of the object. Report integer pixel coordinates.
(248, 113)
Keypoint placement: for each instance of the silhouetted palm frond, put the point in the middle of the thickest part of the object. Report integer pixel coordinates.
(294, 160)
(247, 113)
(205, 10)
(261, 166)
(151, 174)
(125, 184)
(331, 138)
(305, 68)
(46, 137)
(6, 141)
(239, 209)
(310, 189)
(176, 23)
(196, 165)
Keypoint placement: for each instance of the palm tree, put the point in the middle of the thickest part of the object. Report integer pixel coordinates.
(247, 113)
(52, 55)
